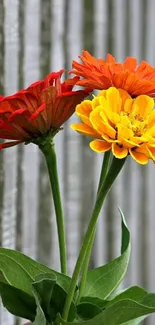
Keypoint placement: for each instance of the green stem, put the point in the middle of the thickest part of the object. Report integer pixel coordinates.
(47, 147)
(114, 170)
(85, 267)
(105, 164)
(103, 174)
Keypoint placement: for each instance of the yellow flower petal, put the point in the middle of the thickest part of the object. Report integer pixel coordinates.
(133, 142)
(99, 125)
(120, 123)
(100, 146)
(128, 106)
(114, 99)
(102, 93)
(143, 106)
(151, 119)
(95, 102)
(85, 129)
(119, 152)
(123, 132)
(83, 111)
(115, 118)
(125, 97)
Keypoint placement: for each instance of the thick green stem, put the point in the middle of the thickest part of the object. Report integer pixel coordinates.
(47, 147)
(114, 170)
(103, 174)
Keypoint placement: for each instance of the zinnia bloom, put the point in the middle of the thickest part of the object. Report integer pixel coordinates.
(119, 123)
(41, 108)
(102, 74)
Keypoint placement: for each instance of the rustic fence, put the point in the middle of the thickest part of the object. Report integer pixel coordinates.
(36, 37)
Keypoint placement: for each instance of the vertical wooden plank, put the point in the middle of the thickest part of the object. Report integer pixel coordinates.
(2, 93)
(100, 50)
(87, 171)
(10, 155)
(20, 148)
(119, 29)
(57, 62)
(2, 40)
(149, 26)
(44, 231)
(149, 225)
(30, 158)
(73, 145)
(136, 36)
(100, 28)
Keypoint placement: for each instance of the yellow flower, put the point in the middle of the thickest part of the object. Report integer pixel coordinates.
(119, 123)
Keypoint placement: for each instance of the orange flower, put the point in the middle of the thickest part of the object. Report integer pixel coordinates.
(38, 110)
(120, 123)
(102, 74)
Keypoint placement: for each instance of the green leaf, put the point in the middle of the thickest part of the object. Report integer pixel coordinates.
(87, 311)
(134, 293)
(102, 281)
(20, 270)
(117, 314)
(17, 302)
(44, 285)
(58, 301)
(149, 300)
(40, 318)
(95, 301)
(51, 297)
(136, 321)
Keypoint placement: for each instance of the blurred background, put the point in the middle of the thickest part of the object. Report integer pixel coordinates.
(36, 37)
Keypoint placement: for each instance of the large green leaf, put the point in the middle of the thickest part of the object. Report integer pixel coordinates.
(102, 281)
(17, 302)
(134, 293)
(149, 300)
(118, 313)
(44, 285)
(50, 297)
(20, 270)
(40, 318)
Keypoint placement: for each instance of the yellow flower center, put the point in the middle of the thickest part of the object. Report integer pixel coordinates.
(136, 123)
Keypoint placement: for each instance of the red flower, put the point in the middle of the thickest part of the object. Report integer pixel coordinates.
(102, 74)
(41, 108)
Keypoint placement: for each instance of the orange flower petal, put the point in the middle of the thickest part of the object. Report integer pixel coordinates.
(102, 74)
(139, 157)
(130, 64)
(151, 151)
(119, 152)
(100, 146)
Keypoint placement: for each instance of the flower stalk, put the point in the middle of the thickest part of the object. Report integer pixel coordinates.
(104, 169)
(113, 172)
(48, 149)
